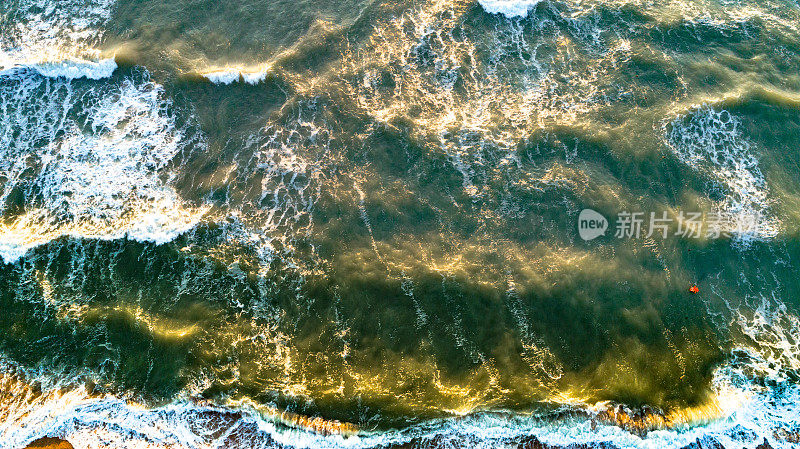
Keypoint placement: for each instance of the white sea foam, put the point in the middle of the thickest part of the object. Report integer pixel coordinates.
(43, 33)
(712, 142)
(223, 76)
(69, 69)
(87, 161)
(234, 75)
(94, 70)
(509, 8)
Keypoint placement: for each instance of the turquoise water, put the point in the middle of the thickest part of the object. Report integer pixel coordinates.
(356, 224)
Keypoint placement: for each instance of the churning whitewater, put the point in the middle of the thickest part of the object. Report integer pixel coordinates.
(357, 224)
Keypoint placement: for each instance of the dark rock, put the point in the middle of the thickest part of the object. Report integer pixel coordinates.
(705, 443)
(764, 445)
(50, 443)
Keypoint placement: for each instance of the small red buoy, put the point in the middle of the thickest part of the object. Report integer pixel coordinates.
(693, 289)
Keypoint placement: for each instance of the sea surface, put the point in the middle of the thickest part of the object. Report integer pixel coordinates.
(355, 223)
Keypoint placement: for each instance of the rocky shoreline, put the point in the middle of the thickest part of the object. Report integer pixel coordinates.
(231, 431)
(528, 443)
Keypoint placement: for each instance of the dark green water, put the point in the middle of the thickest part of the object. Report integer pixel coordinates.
(368, 212)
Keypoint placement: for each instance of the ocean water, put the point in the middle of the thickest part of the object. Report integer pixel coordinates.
(354, 224)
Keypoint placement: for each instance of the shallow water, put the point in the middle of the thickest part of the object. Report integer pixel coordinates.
(222, 220)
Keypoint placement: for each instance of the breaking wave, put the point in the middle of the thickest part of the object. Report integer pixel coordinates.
(509, 8)
(234, 75)
(93, 70)
(88, 159)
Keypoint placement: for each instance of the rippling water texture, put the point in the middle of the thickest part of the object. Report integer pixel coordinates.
(353, 223)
